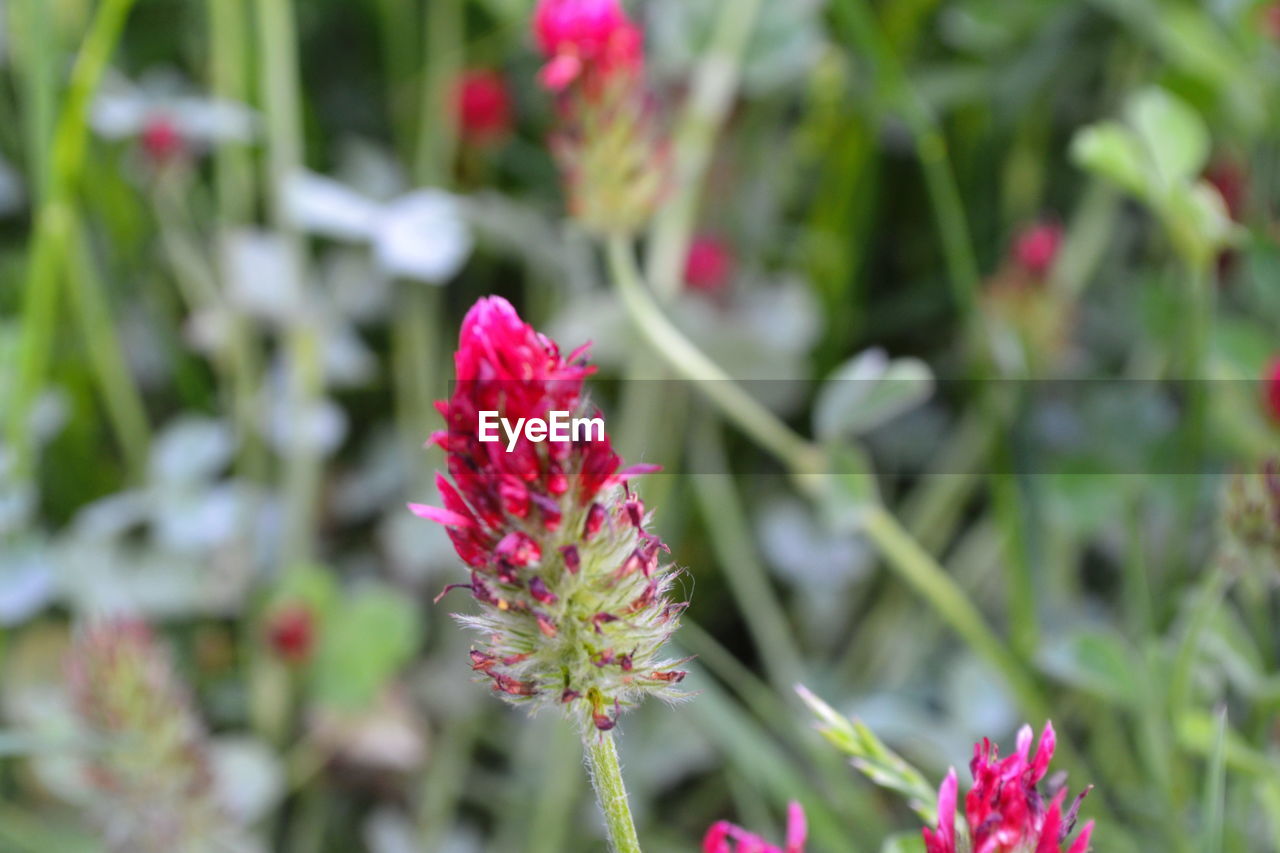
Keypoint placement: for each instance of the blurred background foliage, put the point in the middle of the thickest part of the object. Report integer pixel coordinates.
(236, 240)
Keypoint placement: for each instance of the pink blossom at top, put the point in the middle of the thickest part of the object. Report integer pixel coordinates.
(588, 40)
(709, 265)
(504, 365)
(724, 837)
(1271, 20)
(1036, 248)
(1229, 179)
(1004, 811)
(1273, 389)
(483, 105)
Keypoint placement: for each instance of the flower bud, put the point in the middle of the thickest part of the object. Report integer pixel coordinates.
(483, 106)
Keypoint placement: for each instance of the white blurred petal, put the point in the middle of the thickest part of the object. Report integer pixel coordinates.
(119, 114)
(112, 516)
(247, 778)
(423, 236)
(357, 290)
(322, 426)
(326, 207)
(26, 584)
(348, 363)
(192, 448)
(263, 276)
(213, 120)
(199, 522)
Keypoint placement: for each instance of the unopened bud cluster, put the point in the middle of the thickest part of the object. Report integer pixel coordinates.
(574, 591)
(148, 765)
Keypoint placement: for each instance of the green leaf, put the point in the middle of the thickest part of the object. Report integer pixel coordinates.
(868, 391)
(1097, 662)
(364, 645)
(1171, 132)
(1109, 149)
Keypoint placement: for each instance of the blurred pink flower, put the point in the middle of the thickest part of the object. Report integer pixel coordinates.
(587, 41)
(724, 837)
(483, 105)
(161, 140)
(291, 633)
(1036, 248)
(709, 265)
(1004, 810)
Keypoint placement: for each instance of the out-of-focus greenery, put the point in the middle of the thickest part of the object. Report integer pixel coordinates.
(217, 369)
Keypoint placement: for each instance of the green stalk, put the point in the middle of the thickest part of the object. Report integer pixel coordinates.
(229, 78)
(611, 793)
(731, 538)
(438, 132)
(859, 20)
(914, 565)
(278, 52)
(715, 83)
(691, 363)
(53, 219)
(120, 393)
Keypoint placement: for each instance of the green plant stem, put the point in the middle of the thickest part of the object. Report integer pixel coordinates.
(690, 362)
(49, 243)
(278, 52)
(715, 83)
(914, 565)
(864, 30)
(120, 393)
(438, 131)
(229, 78)
(731, 537)
(611, 793)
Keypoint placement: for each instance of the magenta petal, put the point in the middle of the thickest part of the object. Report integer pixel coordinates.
(440, 515)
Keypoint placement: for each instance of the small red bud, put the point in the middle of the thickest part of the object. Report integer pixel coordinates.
(595, 520)
(161, 140)
(538, 589)
(572, 561)
(291, 633)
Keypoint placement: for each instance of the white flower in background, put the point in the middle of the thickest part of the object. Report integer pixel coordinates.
(167, 116)
(422, 235)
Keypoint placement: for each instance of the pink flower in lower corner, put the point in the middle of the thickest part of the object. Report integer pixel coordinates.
(1004, 811)
(724, 837)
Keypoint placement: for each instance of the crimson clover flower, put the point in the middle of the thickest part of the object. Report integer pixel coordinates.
(575, 599)
(606, 141)
(1004, 811)
(151, 775)
(709, 265)
(724, 837)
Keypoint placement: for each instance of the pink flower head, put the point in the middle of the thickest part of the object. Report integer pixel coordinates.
(724, 837)
(483, 105)
(1004, 810)
(587, 40)
(709, 265)
(161, 140)
(1036, 248)
(572, 587)
(1271, 20)
(1272, 389)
